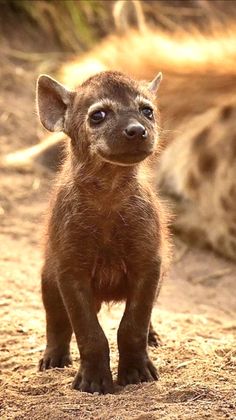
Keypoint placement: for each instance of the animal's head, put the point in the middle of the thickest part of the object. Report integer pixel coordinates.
(110, 116)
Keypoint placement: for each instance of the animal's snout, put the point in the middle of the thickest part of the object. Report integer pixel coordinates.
(135, 131)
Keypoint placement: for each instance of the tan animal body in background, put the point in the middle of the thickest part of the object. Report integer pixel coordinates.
(198, 174)
(107, 235)
(197, 170)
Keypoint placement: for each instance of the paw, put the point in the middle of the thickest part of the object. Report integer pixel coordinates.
(137, 372)
(154, 339)
(94, 380)
(53, 359)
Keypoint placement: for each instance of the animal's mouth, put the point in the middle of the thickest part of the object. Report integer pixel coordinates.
(125, 159)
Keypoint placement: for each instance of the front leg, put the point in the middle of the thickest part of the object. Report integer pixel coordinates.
(94, 374)
(134, 363)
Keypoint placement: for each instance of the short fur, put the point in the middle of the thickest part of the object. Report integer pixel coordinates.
(107, 234)
(200, 81)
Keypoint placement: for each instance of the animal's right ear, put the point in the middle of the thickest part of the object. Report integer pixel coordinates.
(53, 100)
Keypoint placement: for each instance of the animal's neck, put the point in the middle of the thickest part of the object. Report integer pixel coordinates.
(103, 184)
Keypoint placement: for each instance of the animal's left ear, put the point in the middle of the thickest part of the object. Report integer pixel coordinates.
(154, 85)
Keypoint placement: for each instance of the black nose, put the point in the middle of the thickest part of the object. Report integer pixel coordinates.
(135, 131)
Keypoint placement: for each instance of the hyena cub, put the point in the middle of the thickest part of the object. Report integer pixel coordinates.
(107, 232)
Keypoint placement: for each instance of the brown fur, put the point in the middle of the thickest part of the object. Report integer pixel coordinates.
(198, 101)
(107, 235)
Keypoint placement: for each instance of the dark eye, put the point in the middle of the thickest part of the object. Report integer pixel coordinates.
(97, 116)
(147, 112)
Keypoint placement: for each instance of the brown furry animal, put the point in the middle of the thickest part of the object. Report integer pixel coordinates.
(200, 85)
(107, 238)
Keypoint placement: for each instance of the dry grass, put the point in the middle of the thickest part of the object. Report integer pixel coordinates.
(75, 25)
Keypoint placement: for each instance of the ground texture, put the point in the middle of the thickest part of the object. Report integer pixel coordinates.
(195, 317)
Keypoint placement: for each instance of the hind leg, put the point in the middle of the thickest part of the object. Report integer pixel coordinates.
(153, 338)
(59, 330)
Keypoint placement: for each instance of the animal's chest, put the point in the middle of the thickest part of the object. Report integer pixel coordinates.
(109, 272)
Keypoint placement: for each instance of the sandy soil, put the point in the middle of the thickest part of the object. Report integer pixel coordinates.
(195, 317)
(195, 313)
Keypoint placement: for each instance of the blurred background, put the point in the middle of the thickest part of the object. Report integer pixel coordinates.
(193, 42)
(41, 35)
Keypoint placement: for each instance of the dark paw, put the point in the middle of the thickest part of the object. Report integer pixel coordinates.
(94, 380)
(154, 339)
(136, 372)
(54, 359)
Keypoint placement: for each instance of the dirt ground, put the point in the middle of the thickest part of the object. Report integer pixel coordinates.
(194, 315)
